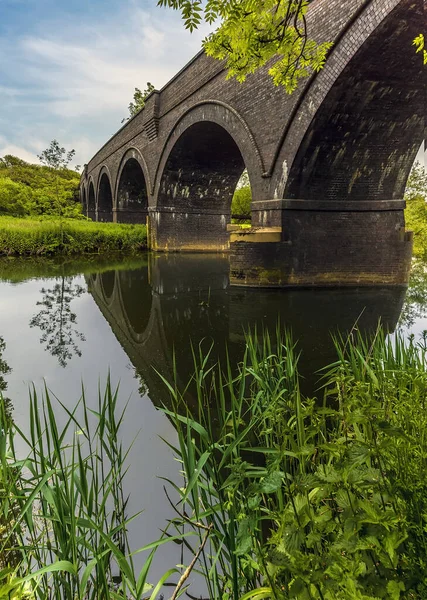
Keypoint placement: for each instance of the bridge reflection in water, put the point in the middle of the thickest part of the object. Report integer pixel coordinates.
(158, 310)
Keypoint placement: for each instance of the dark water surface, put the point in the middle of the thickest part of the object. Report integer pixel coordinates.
(70, 323)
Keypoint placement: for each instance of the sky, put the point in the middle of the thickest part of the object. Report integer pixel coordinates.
(68, 69)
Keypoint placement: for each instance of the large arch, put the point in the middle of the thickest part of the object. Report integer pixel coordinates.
(201, 164)
(105, 197)
(132, 188)
(360, 121)
(91, 205)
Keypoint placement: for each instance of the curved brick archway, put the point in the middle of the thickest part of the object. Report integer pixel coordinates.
(132, 188)
(227, 118)
(200, 166)
(104, 197)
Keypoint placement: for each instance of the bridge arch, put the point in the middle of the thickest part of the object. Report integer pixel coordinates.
(83, 196)
(104, 196)
(132, 188)
(201, 164)
(359, 123)
(91, 202)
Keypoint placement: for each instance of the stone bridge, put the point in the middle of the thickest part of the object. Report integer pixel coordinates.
(327, 165)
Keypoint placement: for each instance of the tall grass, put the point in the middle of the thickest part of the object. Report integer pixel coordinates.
(65, 503)
(308, 498)
(46, 237)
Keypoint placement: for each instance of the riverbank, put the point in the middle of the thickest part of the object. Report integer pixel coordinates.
(49, 237)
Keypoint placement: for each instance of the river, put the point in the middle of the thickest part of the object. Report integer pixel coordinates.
(68, 323)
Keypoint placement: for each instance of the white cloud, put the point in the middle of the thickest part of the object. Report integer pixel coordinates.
(74, 82)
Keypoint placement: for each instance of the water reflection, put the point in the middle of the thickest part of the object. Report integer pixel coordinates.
(415, 307)
(58, 322)
(4, 367)
(159, 310)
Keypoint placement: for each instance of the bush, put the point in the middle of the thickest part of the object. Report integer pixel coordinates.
(241, 203)
(27, 189)
(15, 198)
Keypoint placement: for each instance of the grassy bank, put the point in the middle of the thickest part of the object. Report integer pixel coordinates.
(48, 237)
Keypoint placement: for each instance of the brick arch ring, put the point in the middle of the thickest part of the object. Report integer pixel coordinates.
(229, 119)
(135, 154)
(104, 171)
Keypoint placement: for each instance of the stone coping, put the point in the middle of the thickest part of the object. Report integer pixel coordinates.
(330, 205)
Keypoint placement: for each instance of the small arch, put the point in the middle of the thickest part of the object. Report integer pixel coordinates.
(83, 198)
(105, 197)
(132, 189)
(91, 205)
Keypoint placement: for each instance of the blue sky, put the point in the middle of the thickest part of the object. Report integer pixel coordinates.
(68, 69)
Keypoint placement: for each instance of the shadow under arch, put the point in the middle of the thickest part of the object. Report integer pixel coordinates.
(83, 196)
(132, 188)
(105, 197)
(91, 205)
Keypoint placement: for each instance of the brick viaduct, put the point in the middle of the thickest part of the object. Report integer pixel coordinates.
(327, 165)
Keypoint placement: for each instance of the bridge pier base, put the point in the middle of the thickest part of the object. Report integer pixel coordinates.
(322, 243)
(173, 229)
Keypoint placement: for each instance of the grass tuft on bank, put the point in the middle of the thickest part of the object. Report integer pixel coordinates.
(48, 237)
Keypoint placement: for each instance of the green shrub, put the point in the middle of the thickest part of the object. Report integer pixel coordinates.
(241, 203)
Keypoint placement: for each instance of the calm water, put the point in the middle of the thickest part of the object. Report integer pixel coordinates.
(70, 323)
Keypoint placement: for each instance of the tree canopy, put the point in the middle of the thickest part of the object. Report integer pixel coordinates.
(251, 33)
(139, 99)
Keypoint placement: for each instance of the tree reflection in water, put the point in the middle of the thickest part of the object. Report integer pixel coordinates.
(57, 321)
(415, 306)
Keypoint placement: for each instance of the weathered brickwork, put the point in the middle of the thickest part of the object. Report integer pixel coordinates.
(349, 133)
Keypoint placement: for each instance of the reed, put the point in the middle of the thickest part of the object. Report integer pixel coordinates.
(66, 505)
(307, 498)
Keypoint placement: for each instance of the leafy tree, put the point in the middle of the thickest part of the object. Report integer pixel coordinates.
(139, 99)
(416, 208)
(57, 321)
(253, 32)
